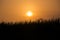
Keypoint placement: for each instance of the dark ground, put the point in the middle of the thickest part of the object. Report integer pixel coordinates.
(45, 30)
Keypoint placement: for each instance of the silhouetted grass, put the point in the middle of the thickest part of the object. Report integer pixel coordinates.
(41, 25)
(34, 30)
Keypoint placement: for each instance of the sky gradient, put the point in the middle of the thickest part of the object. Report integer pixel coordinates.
(15, 10)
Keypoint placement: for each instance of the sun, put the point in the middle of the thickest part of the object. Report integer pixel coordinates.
(29, 13)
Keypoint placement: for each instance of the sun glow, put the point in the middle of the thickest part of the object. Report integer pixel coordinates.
(29, 13)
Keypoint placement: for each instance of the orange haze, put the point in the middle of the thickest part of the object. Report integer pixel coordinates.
(15, 10)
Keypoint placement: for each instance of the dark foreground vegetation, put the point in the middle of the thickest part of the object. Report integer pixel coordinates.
(39, 29)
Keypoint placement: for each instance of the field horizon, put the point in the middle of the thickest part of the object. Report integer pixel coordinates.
(33, 30)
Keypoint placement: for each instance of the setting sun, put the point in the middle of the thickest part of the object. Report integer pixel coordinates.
(29, 13)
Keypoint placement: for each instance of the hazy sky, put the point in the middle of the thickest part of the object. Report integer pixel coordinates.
(15, 10)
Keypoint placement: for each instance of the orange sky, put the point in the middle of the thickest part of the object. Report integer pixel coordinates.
(15, 10)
